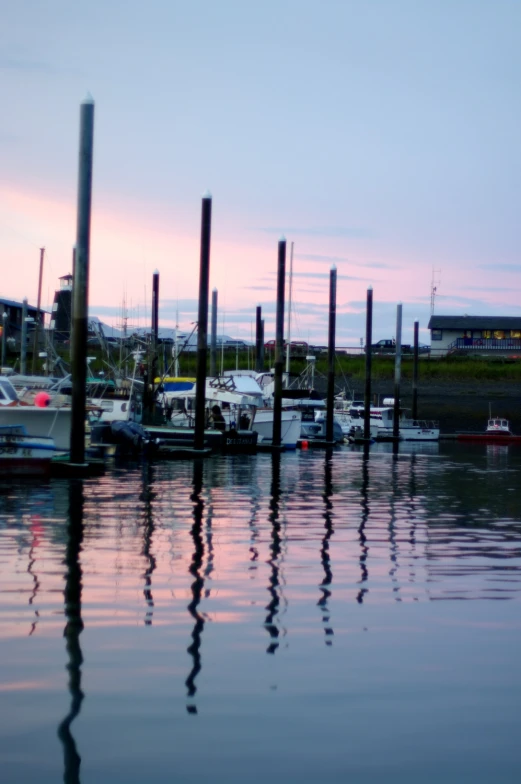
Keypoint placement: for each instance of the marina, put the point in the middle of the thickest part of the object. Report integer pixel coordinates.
(258, 296)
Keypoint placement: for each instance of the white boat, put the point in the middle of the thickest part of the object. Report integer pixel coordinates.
(22, 454)
(409, 429)
(242, 405)
(349, 413)
(47, 421)
(381, 420)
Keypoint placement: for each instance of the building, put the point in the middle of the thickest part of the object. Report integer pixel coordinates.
(492, 335)
(61, 317)
(11, 320)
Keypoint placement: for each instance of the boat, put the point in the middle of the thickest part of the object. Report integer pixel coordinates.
(409, 429)
(52, 421)
(381, 421)
(497, 432)
(348, 413)
(241, 403)
(22, 454)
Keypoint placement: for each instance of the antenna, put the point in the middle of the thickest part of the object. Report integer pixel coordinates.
(436, 280)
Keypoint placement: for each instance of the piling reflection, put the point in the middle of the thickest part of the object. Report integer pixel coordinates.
(412, 515)
(274, 560)
(197, 587)
(362, 538)
(73, 629)
(147, 497)
(325, 557)
(392, 525)
(36, 533)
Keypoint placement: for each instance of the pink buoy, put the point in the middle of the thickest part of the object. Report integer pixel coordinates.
(42, 399)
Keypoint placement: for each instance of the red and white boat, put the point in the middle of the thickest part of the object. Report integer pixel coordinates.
(497, 432)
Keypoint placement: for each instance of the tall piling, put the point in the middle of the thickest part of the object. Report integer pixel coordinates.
(4, 335)
(23, 339)
(213, 337)
(262, 346)
(331, 356)
(415, 372)
(397, 372)
(288, 336)
(258, 339)
(202, 322)
(80, 289)
(154, 343)
(279, 345)
(368, 358)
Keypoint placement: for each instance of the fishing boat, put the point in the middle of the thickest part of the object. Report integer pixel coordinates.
(497, 432)
(241, 403)
(22, 454)
(381, 423)
(409, 429)
(51, 421)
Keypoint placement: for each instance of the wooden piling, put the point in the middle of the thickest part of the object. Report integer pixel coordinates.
(330, 400)
(368, 357)
(415, 372)
(397, 373)
(202, 322)
(279, 350)
(81, 283)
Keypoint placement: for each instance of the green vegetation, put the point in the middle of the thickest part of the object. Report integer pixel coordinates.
(456, 368)
(350, 367)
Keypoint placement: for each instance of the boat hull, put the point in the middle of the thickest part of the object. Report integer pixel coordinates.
(24, 455)
(42, 422)
(489, 438)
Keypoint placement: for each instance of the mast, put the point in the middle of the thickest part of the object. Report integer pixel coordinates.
(38, 315)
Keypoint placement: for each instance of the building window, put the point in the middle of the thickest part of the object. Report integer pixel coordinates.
(487, 333)
(499, 334)
(515, 333)
(436, 334)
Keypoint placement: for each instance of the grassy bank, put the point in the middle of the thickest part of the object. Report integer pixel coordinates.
(348, 368)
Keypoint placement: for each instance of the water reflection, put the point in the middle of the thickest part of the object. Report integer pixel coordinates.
(36, 534)
(392, 525)
(147, 497)
(275, 553)
(362, 538)
(73, 629)
(325, 558)
(198, 584)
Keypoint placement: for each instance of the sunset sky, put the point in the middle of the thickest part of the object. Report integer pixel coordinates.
(381, 136)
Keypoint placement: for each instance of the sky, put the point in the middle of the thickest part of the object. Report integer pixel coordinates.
(379, 136)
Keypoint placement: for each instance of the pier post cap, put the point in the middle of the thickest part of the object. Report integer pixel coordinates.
(333, 268)
(282, 238)
(207, 194)
(156, 272)
(88, 99)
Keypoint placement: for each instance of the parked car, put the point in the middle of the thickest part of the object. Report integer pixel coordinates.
(389, 347)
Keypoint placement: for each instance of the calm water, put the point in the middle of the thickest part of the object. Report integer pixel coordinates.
(296, 619)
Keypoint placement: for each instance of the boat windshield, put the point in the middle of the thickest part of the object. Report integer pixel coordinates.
(7, 391)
